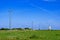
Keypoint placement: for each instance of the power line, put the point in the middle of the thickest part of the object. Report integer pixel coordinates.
(33, 5)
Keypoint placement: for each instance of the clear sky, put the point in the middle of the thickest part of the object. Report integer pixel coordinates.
(23, 12)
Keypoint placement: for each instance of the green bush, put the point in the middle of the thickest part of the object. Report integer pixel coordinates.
(17, 29)
(4, 29)
(33, 37)
(27, 28)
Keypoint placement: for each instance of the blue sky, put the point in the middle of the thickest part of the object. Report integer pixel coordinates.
(23, 12)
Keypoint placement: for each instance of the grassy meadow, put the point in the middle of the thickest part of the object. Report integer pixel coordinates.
(29, 35)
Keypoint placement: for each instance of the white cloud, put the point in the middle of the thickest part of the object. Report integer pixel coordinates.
(50, 0)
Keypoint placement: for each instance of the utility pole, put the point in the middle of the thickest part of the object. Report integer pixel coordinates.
(39, 26)
(10, 12)
(32, 25)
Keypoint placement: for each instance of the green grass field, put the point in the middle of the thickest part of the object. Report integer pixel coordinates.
(29, 35)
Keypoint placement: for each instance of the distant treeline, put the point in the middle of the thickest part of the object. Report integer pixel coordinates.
(15, 29)
(20, 29)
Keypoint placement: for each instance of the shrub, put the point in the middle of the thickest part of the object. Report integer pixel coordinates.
(17, 29)
(4, 29)
(27, 28)
(33, 36)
